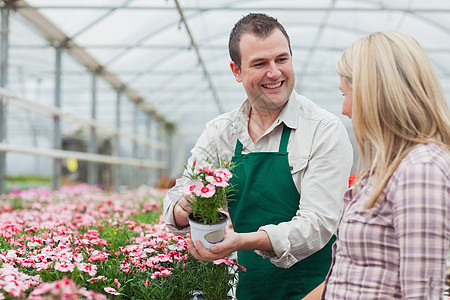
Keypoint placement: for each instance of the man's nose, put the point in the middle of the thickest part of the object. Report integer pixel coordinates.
(273, 71)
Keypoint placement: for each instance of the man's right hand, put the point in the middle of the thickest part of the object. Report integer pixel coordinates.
(181, 211)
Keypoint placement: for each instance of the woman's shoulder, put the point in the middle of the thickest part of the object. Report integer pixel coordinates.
(425, 159)
(429, 153)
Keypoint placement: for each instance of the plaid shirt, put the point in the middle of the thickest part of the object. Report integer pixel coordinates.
(397, 249)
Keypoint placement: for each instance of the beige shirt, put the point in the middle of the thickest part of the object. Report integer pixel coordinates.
(320, 156)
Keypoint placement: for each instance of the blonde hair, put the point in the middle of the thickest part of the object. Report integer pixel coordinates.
(397, 102)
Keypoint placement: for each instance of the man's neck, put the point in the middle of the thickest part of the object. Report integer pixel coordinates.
(259, 122)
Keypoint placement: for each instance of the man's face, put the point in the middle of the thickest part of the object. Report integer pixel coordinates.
(266, 70)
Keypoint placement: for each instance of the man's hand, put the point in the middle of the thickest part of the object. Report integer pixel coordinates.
(181, 211)
(220, 250)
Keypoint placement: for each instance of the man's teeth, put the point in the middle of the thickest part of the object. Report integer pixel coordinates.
(272, 86)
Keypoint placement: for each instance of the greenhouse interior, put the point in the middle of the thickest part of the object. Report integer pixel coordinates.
(101, 103)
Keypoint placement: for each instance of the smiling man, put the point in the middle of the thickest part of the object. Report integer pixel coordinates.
(293, 163)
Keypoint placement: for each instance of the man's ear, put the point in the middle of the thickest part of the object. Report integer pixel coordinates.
(236, 71)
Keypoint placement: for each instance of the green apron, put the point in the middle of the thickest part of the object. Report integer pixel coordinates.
(266, 194)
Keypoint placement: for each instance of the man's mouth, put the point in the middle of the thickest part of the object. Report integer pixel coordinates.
(273, 85)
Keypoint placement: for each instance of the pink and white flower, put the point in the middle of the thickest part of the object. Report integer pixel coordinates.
(218, 180)
(207, 191)
(111, 291)
(193, 187)
(98, 278)
(117, 283)
(97, 256)
(88, 268)
(204, 166)
(223, 173)
(64, 266)
(163, 273)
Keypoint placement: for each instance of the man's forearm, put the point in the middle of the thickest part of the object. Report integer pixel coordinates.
(258, 240)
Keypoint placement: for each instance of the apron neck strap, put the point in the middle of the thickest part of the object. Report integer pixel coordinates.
(238, 150)
(284, 139)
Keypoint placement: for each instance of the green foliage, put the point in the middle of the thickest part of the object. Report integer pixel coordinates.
(4, 244)
(116, 236)
(149, 217)
(179, 285)
(17, 203)
(216, 280)
(26, 182)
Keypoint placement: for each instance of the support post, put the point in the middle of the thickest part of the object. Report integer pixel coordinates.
(153, 151)
(147, 147)
(135, 145)
(116, 148)
(4, 47)
(57, 162)
(92, 166)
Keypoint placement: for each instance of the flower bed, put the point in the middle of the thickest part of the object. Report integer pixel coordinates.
(83, 243)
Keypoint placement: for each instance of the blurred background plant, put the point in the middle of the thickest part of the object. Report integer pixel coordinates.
(88, 243)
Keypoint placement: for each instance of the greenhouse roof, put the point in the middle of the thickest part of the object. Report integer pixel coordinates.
(171, 56)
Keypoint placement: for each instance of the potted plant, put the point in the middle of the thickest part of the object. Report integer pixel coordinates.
(208, 186)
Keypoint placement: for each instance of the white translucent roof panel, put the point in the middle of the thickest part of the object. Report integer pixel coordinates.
(183, 72)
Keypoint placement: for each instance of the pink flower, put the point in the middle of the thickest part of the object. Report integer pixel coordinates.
(63, 289)
(130, 248)
(77, 257)
(11, 254)
(225, 173)
(131, 224)
(101, 277)
(219, 180)
(88, 268)
(111, 291)
(43, 288)
(226, 260)
(229, 262)
(14, 287)
(117, 283)
(93, 233)
(64, 267)
(207, 191)
(97, 256)
(163, 273)
(193, 187)
(163, 258)
(205, 167)
(42, 266)
(33, 244)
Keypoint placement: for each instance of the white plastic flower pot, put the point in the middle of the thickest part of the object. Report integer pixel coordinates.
(207, 234)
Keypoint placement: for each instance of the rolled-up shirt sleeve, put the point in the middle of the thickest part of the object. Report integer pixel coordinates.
(321, 185)
(171, 198)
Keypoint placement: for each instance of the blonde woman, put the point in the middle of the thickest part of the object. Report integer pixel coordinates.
(394, 233)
